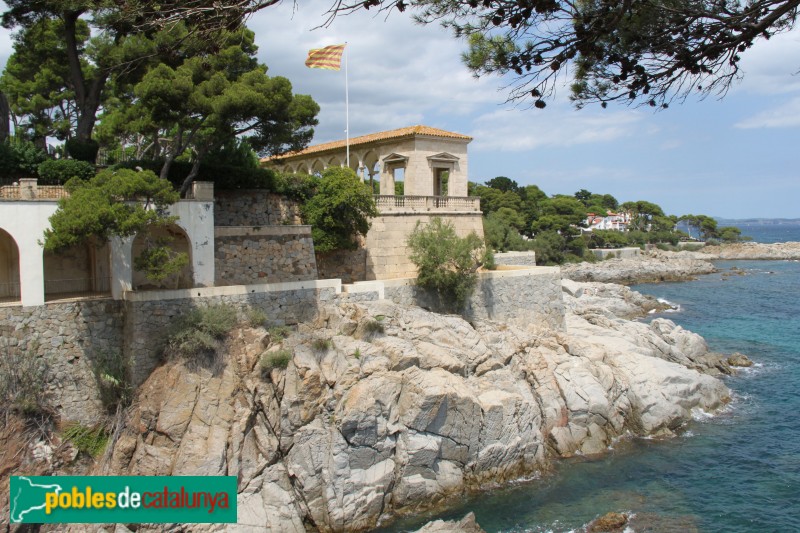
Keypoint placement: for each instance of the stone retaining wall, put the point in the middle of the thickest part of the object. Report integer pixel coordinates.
(70, 338)
(515, 258)
(272, 254)
(254, 208)
(527, 298)
(348, 265)
(150, 315)
(386, 240)
(618, 253)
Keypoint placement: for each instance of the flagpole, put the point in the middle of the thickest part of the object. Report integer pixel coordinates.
(346, 107)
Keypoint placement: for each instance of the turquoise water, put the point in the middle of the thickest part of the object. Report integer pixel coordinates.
(736, 472)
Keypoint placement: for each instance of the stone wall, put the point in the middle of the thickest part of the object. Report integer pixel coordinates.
(347, 265)
(272, 254)
(618, 253)
(254, 208)
(387, 251)
(150, 315)
(515, 258)
(70, 338)
(526, 297)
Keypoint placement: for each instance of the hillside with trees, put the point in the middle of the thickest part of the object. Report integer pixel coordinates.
(518, 218)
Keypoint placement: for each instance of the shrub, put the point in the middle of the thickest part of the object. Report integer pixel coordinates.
(339, 211)
(225, 177)
(256, 317)
(278, 333)
(19, 159)
(446, 263)
(111, 375)
(321, 345)
(22, 382)
(59, 171)
(549, 247)
(82, 150)
(200, 330)
(373, 328)
(90, 440)
(357, 353)
(277, 359)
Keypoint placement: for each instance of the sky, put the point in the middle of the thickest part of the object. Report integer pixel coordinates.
(735, 157)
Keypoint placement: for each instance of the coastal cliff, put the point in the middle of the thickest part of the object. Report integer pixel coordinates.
(385, 408)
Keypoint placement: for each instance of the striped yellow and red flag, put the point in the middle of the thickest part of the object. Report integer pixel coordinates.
(329, 58)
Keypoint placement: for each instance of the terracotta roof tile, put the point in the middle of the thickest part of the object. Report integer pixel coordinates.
(372, 137)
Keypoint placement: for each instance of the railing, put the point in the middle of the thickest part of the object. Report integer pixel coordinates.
(28, 189)
(9, 292)
(390, 202)
(77, 286)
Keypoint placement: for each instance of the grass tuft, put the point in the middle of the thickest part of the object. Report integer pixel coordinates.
(90, 440)
(272, 360)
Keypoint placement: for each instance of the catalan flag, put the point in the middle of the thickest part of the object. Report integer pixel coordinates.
(329, 58)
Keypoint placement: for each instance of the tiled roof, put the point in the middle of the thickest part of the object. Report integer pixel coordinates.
(372, 137)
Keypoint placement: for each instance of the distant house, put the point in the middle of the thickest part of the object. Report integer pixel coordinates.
(612, 221)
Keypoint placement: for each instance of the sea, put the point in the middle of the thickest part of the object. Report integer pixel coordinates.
(735, 471)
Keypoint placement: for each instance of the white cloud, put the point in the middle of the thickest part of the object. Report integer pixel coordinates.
(786, 115)
(517, 130)
(399, 72)
(771, 66)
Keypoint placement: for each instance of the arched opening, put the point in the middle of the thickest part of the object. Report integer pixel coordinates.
(372, 169)
(9, 268)
(335, 161)
(81, 270)
(317, 167)
(177, 240)
(302, 168)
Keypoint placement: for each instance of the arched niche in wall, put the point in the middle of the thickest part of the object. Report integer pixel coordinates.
(9, 268)
(178, 242)
(80, 270)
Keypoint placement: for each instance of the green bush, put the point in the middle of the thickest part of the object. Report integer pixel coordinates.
(549, 247)
(277, 359)
(446, 263)
(59, 171)
(373, 328)
(90, 440)
(256, 317)
(82, 150)
(321, 345)
(199, 331)
(111, 374)
(278, 333)
(339, 211)
(19, 159)
(23, 376)
(224, 177)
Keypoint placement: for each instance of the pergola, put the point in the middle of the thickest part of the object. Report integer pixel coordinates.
(431, 162)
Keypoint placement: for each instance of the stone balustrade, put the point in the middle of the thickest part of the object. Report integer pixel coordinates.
(417, 204)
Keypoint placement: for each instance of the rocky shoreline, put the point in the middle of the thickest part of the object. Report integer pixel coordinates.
(754, 251)
(657, 265)
(651, 266)
(371, 421)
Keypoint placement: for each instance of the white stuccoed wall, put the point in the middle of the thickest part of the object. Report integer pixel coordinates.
(26, 221)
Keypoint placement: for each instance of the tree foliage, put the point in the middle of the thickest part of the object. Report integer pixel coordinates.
(117, 203)
(446, 263)
(339, 210)
(639, 51)
(205, 101)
